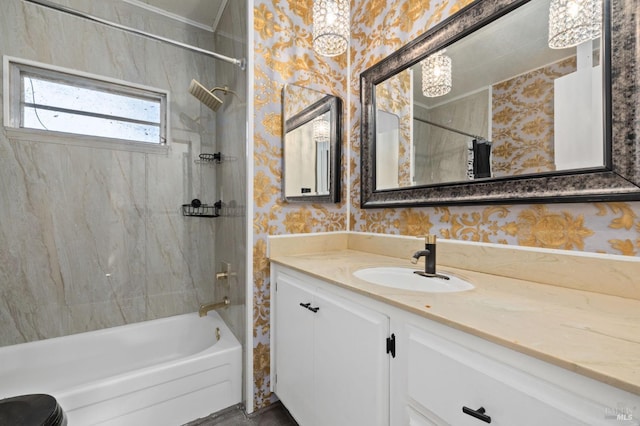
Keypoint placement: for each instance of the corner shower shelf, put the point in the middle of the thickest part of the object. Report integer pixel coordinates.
(202, 210)
(206, 158)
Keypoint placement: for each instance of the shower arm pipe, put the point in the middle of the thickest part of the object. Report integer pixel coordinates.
(241, 63)
(451, 129)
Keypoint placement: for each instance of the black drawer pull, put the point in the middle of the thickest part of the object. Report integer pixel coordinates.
(305, 305)
(316, 309)
(478, 414)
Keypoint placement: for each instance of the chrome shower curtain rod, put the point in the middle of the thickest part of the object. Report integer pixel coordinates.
(46, 3)
(451, 129)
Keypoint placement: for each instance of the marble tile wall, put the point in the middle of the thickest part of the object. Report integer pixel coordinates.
(231, 178)
(91, 237)
(129, 14)
(446, 160)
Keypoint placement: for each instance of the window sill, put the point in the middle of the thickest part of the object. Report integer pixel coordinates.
(70, 139)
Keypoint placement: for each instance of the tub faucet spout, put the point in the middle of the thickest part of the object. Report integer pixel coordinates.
(211, 306)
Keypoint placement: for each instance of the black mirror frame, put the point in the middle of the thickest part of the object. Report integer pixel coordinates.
(618, 180)
(333, 105)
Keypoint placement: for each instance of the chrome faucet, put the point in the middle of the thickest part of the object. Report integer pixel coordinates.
(429, 254)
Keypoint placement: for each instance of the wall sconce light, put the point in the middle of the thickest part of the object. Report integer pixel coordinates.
(572, 22)
(331, 27)
(436, 75)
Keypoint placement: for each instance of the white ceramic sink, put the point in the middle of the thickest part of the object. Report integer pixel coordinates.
(405, 279)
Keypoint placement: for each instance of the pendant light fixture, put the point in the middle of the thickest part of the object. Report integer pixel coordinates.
(436, 75)
(330, 27)
(572, 22)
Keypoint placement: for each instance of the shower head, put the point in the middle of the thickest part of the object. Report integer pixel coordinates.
(205, 95)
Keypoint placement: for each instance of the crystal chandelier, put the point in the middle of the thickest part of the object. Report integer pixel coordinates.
(436, 75)
(572, 22)
(330, 27)
(320, 130)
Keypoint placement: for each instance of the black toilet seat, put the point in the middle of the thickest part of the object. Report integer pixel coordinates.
(31, 410)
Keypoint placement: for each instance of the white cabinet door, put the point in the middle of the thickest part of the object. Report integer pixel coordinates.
(351, 363)
(294, 350)
(331, 363)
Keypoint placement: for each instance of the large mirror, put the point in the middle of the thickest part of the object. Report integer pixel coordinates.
(481, 109)
(311, 144)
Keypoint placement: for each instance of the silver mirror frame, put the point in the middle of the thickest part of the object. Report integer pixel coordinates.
(618, 180)
(333, 105)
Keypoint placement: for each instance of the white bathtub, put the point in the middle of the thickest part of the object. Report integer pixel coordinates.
(162, 372)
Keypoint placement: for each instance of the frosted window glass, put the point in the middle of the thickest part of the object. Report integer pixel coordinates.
(57, 105)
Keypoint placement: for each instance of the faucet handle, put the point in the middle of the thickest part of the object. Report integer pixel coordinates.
(429, 238)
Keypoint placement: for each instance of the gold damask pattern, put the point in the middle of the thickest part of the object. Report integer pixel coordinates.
(283, 53)
(522, 132)
(391, 97)
(538, 227)
(297, 98)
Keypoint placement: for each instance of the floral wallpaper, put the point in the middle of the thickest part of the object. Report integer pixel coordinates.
(391, 97)
(297, 98)
(283, 54)
(522, 132)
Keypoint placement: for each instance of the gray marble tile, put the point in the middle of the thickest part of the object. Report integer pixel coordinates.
(230, 176)
(79, 318)
(94, 237)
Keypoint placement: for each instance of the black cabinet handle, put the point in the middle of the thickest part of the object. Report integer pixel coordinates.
(478, 414)
(308, 306)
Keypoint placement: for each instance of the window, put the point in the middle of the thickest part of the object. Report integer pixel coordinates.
(61, 101)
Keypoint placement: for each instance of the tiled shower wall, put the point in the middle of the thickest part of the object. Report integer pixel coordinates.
(89, 237)
(231, 137)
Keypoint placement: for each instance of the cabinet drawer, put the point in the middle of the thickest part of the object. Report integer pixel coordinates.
(444, 377)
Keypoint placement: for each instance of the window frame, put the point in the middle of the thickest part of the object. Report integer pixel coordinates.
(14, 68)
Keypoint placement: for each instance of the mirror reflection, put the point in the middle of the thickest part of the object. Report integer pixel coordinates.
(311, 141)
(497, 103)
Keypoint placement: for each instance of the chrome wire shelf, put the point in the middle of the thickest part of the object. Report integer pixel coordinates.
(197, 209)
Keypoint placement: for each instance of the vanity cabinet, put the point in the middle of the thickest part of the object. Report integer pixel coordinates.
(331, 362)
(331, 367)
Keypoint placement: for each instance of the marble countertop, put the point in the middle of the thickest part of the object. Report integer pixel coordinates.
(596, 335)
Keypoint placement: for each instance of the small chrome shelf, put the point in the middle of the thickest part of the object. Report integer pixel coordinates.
(197, 209)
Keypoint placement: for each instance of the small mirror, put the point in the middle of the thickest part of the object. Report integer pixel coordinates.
(311, 142)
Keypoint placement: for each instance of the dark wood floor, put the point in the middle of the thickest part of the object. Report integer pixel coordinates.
(274, 415)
